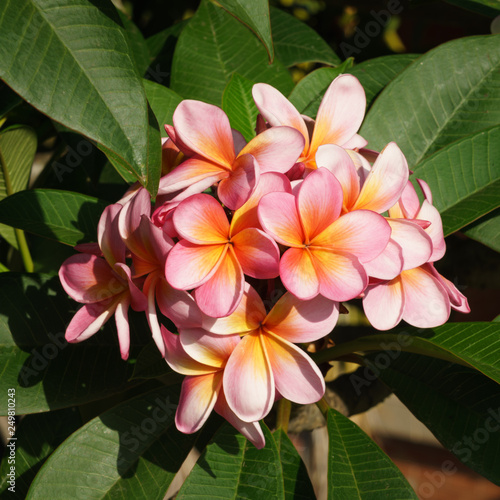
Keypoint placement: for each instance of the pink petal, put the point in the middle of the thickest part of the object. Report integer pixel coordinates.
(87, 278)
(236, 189)
(257, 253)
(319, 202)
(385, 182)
(426, 302)
(137, 299)
(130, 215)
(276, 149)
(178, 359)
(122, 326)
(239, 141)
(278, 110)
(204, 128)
(416, 245)
(248, 380)
(247, 317)
(458, 300)
(296, 376)
(425, 189)
(299, 320)
(356, 142)
(388, 264)
(247, 216)
(337, 161)
(408, 205)
(201, 219)
(189, 265)
(108, 235)
(89, 319)
(152, 317)
(197, 399)
(298, 273)
(221, 294)
(341, 276)
(340, 113)
(208, 348)
(362, 233)
(279, 217)
(190, 178)
(435, 230)
(383, 304)
(251, 430)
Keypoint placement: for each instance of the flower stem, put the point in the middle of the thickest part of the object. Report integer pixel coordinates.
(283, 417)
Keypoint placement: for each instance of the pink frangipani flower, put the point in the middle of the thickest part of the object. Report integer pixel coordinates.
(204, 130)
(327, 251)
(266, 363)
(104, 286)
(212, 257)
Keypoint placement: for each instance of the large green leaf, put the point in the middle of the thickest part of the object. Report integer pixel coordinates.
(459, 405)
(67, 217)
(487, 7)
(308, 93)
(138, 48)
(486, 230)
(464, 178)
(296, 480)
(17, 152)
(8, 99)
(295, 42)
(231, 467)
(474, 345)
(212, 47)
(138, 448)
(238, 103)
(37, 437)
(449, 93)
(71, 60)
(254, 15)
(46, 372)
(357, 467)
(375, 74)
(163, 102)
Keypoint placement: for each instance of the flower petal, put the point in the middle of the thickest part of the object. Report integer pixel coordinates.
(190, 265)
(201, 219)
(435, 230)
(236, 189)
(204, 128)
(319, 202)
(458, 300)
(340, 113)
(279, 217)
(108, 235)
(278, 110)
(388, 264)
(298, 273)
(415, 243)
(197, 400)
(247, 216)
(248, 380)
(296, 376)
(257, 253)
(276, 149)
(221, 294)
(122, 325)
(299, 320)
(89, 319)
(245, 318)
(383, 304)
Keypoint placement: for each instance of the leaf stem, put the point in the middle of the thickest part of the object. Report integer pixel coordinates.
(283, 417)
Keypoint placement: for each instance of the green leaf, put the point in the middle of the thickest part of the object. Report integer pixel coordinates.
(473, 345)
(357, 467)
(37, 436)
(375, 74)
(139, 451)
(212, 47)
(8, 99)
(464, 178)
(486, 230)
(255, 16)
(297, 482)
(295, 42)
(238, 103)
(150, 364)
(46, 372)
(138, 47)
(231, 467)
(486, 7)
(17, 152)
(70, 59)
(459, 405)
(67, 217)
(307, 94)
(163, 102)
(449, 93)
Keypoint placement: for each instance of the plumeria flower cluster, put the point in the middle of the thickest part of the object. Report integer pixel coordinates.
(303, 212)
